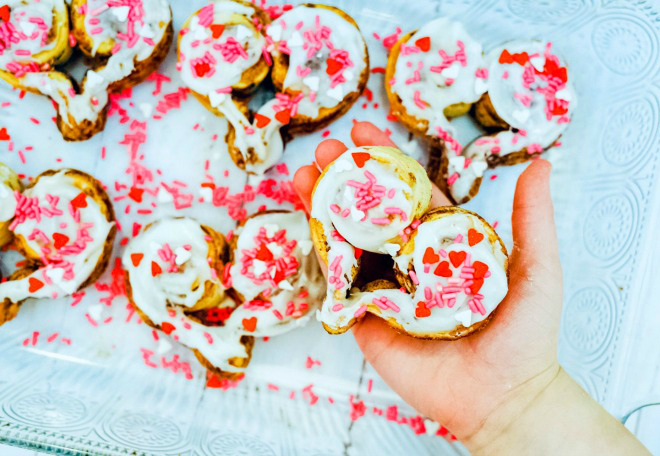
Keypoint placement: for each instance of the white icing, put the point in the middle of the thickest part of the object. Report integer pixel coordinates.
(537, 128)
(438, 81)
(63, 270)
(293, 299)
(293, 30)
(94, 96)
(436, 234)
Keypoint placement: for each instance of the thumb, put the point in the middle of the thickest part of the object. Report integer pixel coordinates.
(535, 257)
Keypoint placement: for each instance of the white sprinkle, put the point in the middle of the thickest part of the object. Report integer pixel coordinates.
(521, 115)
(312, 82)
(451, 71)
(95, 311)
(537, 62)
(336, 92)
(564, 94)
(242, 32)
(182, 255)
(305, 246)
(120, 12)
(356, 214)
(431, 426)
(216, 98)
(391, 248)
(206, 193)
(163, 346)
(259, 267)
(464, 316)
(56, 275)
(28, 27)
(164, 196)
(275, 249)
(478, 167)
(343, 165)
(285, 285)
(146, 109)
(348, 75)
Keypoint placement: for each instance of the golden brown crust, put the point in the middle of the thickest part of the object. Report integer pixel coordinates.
(8, 308)
(305, 124)
(484, 112)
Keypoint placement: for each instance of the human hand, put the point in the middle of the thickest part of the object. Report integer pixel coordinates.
(481, 384)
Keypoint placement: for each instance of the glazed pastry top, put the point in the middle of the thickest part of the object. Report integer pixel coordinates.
(276, 272)
(327, 56)
(65, 228)
(440, 65)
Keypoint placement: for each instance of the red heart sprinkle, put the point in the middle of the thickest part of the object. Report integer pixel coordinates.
(216, 30)
(521, 58)
(476, 286)
(480, 269)
(4, 13)
(283, 116)
(558, 110)
(60, 240)
(167, 327)
(136, 194)
(201, 68)
(155, 269)
(457, 258)
(505, 57)
(136, 258)
(358, 253)
(360, 158)
(422, 311)
(333, 66)
(474, 237)
(4, 136)
(250, 324)
(264, 254)
(424, 44)
(262, 120)
(443, 270)
(35, 284)
(430, 257)
(79, 201)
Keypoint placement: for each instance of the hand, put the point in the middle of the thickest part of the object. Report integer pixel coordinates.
(482, 384)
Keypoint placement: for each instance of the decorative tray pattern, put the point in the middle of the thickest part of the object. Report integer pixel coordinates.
(70, 386)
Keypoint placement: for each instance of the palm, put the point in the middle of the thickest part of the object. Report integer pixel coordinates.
(474, 374)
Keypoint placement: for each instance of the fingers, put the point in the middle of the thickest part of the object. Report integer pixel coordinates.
(303, 183)
(533, 221)
(328, 151)
(367, 134)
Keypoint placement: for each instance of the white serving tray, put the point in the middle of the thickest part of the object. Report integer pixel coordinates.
(97, 395)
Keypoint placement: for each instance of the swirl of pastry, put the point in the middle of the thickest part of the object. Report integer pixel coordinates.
(433, 75)
(365, 200)
(274, 274)
(528, 105)
(63, 224)
(9, 183)
(222, 59)
(454, 272)
(126, 41)
(320, 61)
(173, 272)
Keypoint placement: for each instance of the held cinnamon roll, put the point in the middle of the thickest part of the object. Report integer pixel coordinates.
(126, 43)
(451, 268)
(528, 105)
(63, 224)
